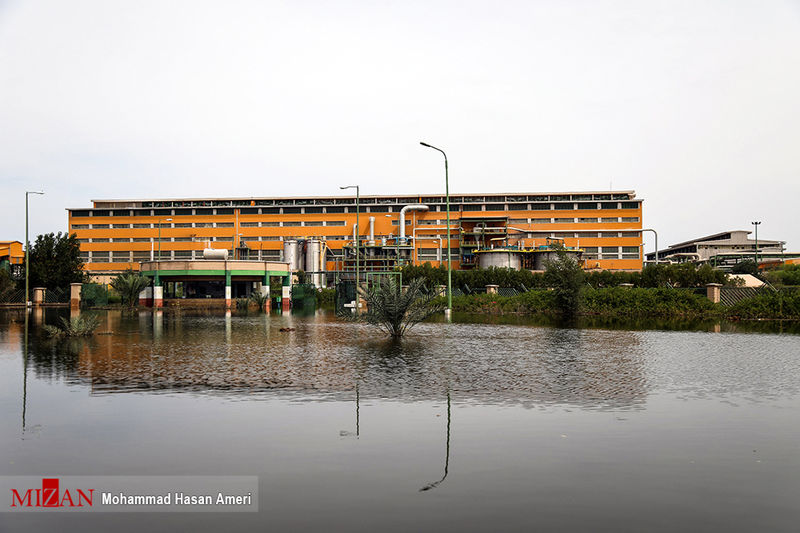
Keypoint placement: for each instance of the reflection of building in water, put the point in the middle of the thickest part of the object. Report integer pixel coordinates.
(240, 354)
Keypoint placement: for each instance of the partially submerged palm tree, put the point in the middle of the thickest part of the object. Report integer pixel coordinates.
(129, 285)
(259, 299)
(78, 326)
(395, 311)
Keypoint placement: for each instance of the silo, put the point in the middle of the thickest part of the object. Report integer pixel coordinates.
(313, 247)
(291, 254)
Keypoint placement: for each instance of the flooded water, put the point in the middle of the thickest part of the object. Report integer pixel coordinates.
(459, 427)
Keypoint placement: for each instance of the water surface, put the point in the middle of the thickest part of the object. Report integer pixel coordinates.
(459, 427)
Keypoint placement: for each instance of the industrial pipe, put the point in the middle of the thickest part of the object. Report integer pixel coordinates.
(402, 222)
(371, 241)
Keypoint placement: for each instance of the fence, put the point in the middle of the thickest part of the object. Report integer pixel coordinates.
(56, 296)
(94, 295)
(13, 296)
(733, 295)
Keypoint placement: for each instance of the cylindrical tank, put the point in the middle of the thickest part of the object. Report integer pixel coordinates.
(499, 258)
(215, 253)
(313, 247)
(291, 254)
(323, 265)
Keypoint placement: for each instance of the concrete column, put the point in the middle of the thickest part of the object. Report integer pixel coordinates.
(38, 295)
(227, 289)
(286, 294)
(492, 289)
(146, 296)
(713, 292)
(158, 296)
(75, 295)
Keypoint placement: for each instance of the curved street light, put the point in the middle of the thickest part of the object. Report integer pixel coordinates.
(449, 309)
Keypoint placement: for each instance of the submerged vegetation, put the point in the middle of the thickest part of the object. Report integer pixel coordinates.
(394, 310)
(129, 285)
(78, 326)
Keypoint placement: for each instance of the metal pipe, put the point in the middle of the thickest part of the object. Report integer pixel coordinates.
(371, 241)
(402, 222)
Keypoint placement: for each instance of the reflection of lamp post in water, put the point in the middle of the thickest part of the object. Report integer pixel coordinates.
(344, 433)
(447, 452)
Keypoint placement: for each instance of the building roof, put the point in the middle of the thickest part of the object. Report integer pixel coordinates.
(630, 194)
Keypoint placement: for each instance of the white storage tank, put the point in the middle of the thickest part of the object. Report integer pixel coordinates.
(499, 258)
(313, 248)
(291, 255)
(215, 253)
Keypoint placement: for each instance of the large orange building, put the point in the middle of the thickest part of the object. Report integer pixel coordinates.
(116, 235)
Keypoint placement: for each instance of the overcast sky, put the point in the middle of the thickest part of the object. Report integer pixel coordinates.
(692, 104)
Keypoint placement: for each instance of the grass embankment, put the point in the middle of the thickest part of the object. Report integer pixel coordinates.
(634, 302)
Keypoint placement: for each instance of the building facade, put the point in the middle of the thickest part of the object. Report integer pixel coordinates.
(116, 235)
(723, 249)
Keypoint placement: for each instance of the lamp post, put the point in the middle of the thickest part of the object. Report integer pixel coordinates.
(756, 224)
(27, 247)
(449, 309)
(158, 267)
(358, 237)
(656, 234)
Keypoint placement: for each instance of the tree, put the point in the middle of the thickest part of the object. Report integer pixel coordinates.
(748, 266)
(129, 285)
(565, 276)
(395, 311)
(55, 261)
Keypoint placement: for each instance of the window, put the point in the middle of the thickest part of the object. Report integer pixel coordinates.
(141, 256)
(183, 254)
(120, 226)
(630, 205)
(270, 224)
(518, 221)
(99, 226)
(587, 235)
(120, 257)
(292, 223)
(80, 213)
(630, 219)
(495, 207)
(334, 210)
(564, 220)
(472, 207)
(121, 239)
(249, 224)
(563, 235)
(224, 211)
(202, 225)
(540, 207)
(100, 240)
(608, 205)
(80, 226)
(587, 205)
(609, 219)
(540, 221)
(587, 220)
(100, 257)
(630, 252)
(518, 207)
(270, 255)
(394, 222)
(182, 225)
(313, 210)
(224, 224)
(563, 207)
(223, 239)
(141, 239)
(270, 238)
(609, 234)
(142, 226)
(291, 210)
(249, 211)
(84, 257)
(183, 239)
(630, 233)
(314, 223)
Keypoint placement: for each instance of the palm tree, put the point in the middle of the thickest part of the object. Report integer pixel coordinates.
(395, 311)
(129, 285)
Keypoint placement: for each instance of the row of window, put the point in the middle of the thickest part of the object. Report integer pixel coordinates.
(366, 200)
(297, 223)
(352, 209)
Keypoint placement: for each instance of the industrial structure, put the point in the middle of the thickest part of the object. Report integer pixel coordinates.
(724, 250)
(321, 234)
(12, 257)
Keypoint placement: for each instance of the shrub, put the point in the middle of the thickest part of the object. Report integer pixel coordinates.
(129, 285)
(79, 326)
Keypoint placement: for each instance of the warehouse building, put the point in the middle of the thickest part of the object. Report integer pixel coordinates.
(318, 234)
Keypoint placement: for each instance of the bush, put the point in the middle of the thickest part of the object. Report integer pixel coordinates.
(771, 304)
(129, 285)
(326, 297)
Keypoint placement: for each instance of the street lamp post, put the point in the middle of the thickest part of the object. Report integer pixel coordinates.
(756, 224)
(358, 237)
(449, 309)
(27, 247)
